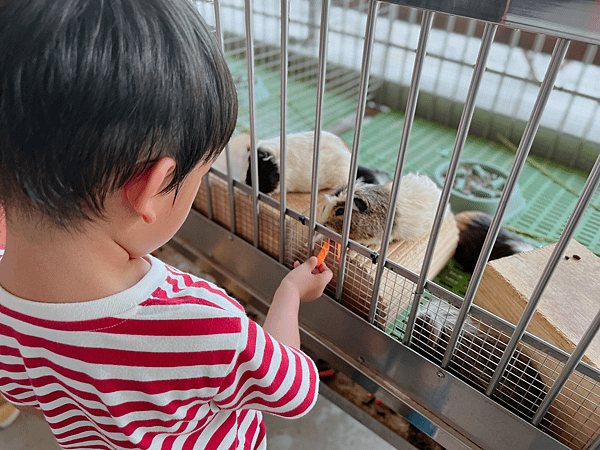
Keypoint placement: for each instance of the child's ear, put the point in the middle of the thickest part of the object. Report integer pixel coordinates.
(141, 190)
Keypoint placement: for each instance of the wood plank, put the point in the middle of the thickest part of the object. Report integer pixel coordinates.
(561, 317)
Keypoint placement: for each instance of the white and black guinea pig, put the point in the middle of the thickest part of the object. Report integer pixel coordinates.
(334, 164)
(415, 210)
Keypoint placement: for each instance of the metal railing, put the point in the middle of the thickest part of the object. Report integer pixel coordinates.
(387, 274)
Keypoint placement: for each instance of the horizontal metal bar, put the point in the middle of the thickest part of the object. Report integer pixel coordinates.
(490, 10)
(430, 286)
(436, 394)
(570, 19)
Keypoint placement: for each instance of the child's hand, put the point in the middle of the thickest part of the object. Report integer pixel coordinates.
(308, 279)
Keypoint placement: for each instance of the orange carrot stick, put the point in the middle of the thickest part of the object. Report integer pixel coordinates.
(323, 253)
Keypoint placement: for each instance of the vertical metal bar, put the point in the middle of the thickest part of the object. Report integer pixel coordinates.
(230, 190)
(587, 129)
(252, 108)
(468, 35)
(285, 28)
(537, 48)
(409, 117)
(588, 57)
(392, 17)
(573, 360)
(450, 24)
(514, 40)
(360, 112)
(209, 206)
(314, 187)
(461, 137)
(557, 57)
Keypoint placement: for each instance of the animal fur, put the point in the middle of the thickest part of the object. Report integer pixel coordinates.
(334, 164)
(415, 210)
(522, 388)
(473, 227)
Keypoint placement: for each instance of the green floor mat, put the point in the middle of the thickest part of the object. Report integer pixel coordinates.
(302, 101)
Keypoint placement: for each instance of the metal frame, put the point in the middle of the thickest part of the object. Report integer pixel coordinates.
(454, 414)
(460, 416)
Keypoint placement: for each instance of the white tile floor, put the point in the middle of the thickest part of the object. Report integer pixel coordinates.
(326, 427)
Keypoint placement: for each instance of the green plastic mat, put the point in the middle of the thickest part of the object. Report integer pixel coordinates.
(302, 101)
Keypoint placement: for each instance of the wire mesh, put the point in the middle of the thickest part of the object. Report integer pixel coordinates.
(574, 418)
(517, 62)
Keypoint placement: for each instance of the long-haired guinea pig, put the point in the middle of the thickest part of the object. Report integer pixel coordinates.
(334, 164)
(473, 227)
(415, 210)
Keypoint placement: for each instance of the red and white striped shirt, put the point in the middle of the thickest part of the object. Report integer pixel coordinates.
(171, 363)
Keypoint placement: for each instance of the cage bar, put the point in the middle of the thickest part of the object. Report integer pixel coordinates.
(252, 115)
(461, 137)
(219, 33)
(577, 354)
(318, 123)
(411, 107)
(360, 111)
(284, 62)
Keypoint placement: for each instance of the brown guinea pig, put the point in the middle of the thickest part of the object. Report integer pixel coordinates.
(415, 210)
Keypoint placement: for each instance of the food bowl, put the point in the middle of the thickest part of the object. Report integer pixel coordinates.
(478, 186)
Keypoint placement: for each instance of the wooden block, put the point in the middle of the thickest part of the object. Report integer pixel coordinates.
(561, 317)
(566, 308)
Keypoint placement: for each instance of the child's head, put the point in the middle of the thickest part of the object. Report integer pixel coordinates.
(94, 92)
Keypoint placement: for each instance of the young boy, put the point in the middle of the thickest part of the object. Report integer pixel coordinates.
(110, 114)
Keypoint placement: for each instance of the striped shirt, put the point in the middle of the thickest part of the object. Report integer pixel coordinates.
(171, 363)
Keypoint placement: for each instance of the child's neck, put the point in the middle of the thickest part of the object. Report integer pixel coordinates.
(63, 267)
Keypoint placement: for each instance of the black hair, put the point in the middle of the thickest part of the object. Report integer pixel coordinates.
(93, 92)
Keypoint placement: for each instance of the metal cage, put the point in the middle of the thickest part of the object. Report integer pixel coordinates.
(525, 69)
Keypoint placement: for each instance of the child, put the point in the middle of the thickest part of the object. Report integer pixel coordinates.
(110, 114)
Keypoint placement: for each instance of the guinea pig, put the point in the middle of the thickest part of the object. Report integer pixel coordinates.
(415, 210)
(473, 227)
(522, 390)
(334, 164)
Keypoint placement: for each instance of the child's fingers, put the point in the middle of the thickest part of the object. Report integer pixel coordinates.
(312, 262)
(296, 264)
(320, 268)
